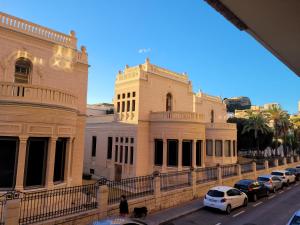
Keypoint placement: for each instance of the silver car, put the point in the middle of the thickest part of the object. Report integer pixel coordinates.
(272, 182)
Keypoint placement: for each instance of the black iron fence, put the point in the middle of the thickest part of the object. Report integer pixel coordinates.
(206, 174)
(175, 180)
(260, 165)
(131, 187)
(44, 205)
(229, 170)
(246, 168)
(271, 163)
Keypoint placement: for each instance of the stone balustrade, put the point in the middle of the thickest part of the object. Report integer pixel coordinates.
(32, 29)
(221, 125)
(177, 116)
(36, 94)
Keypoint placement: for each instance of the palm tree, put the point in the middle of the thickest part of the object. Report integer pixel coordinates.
(285, 126)
(275, 115)
(257, 123)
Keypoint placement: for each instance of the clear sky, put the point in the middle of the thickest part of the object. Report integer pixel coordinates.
(181, 35)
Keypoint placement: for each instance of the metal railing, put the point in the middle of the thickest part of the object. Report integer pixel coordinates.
(260, 165)
(271, 163)
(229, 170)
(174, 180)
(246, 168)
(132, 188)
(206, 174)
(280, 161)
(44, 205)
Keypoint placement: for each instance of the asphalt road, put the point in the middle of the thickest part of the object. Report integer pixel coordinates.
(273, 210)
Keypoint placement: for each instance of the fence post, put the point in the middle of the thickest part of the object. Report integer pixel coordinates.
(254, 169)
(12, 212)
(266, 164)
(291, 159)
(219, 174)
(239, 170)
(102, 200)
(157, 192)
(284, 161)
(193, 182)
(276, 162)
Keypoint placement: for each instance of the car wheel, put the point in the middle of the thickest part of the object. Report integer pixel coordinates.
(228, 209)
(245, 202)
(254, 198)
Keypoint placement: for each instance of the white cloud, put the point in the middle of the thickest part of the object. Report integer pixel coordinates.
(144, 50)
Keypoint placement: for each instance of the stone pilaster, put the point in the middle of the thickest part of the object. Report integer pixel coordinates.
(194, 165)
(165, 155)
(50, 162)
(179, 167)
(21, 163)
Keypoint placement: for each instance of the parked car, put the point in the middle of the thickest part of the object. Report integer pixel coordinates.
(118, 221)
(285, 175)
(252, 188)
(225, 198)
(295, 219)
(272, 182)
(295, 171)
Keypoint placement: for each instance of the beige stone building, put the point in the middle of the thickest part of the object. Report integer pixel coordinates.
(159, 124)
(43, 84)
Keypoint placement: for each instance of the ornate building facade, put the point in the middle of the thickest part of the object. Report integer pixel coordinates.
(159, 124)
(43, 84)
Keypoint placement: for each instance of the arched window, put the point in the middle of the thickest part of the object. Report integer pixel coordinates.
(22, 70)
(169, 102)
(212, 116)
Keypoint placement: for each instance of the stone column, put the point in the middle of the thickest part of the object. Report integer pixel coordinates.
(239, 170)
(194, 154)
(179, 167)
(203, 153)
(69, 154)
(284, 161)
(266, 164)
(152, 153)
(223, 151)
(165, 155)
(292, 159)
(219, 174)
(254, 169)
(102, 200)
(12, 212)
(50, 162)
(275, 162)
(193, 182)
(21, 163)
(213, 151)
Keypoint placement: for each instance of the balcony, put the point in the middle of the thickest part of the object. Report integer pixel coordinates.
(221, 126)
(36, 94)
(176, 116)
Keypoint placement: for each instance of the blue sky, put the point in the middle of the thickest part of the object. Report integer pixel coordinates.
(184, 36)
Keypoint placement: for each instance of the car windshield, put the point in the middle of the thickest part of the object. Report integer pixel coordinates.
(215, 193)
(277, 173)
(295, 221)
(263, 179)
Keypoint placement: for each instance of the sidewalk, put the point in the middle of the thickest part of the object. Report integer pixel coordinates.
(166, 215)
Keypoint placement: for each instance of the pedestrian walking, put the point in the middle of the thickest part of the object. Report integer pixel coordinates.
(123, 206)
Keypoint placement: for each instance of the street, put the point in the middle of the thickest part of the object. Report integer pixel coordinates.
(273, 210)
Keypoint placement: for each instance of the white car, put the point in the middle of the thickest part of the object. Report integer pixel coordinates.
(286, 176)
(295, 219)
(225, 198)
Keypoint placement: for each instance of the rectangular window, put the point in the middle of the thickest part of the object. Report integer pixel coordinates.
(8, 161)
(133, 94)
(116, 153)
(158, 152)
(133, 105)
(36, 162)
(227, 150)
(128, 106)
(187, 152)
(126, 140)
(123, 106)
(94, 145)
(121, 154)
(234, 147)
(209, 147)
(131, 155)
(131, 140)
(218, 148)
(198, 152)
(126, 154)
(117, 139)
(128, 95)
(119, 96)
(172, 152)
(60, 158)
(122, 139)
(118, 107)
(109, 147)
(123, 95)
